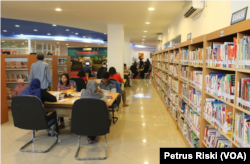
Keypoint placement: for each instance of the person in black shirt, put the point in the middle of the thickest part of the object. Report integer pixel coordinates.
(100, 72)
(133, 69)
(140, 63)
(145, 70)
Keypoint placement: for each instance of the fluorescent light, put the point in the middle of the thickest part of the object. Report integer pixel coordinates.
(151, 8)
(76, 33)
(145, 31)
(48, 33)
(17, 25)
(144, 36)
(35, 29)
(58, 9)
(54, 25)
(67, 29)
(4, 30)
(147, 22)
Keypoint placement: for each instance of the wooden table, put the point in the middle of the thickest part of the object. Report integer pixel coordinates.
(99, 80)
(64, 109)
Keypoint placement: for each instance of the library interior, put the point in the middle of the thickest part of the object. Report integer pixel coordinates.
(167, 74)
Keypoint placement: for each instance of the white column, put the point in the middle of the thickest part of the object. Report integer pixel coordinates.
(42, 48)
(29, 46)
(127, 59)
(46, 48)
(116, 47)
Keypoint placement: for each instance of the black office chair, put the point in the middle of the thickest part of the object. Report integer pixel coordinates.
(80, 83)
(90, 117)
(28, 113)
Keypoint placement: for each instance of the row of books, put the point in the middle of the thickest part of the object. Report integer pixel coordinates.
(195, 57)
(164, 57)
(242, 129)
(173, 83)
(15, 77)
(243, 97)
(192, 138)
(173, 110)
(10, 90)
(194, 120)
(219, 114)
(243, 53)
(173, 69)
(173, 96)
(174, 57)
(15, 64)
(62, 61)
(195, 78)
(49, 62)
(164, 66)
(184, 72)
(62, 69)
(222, 54)
(184, 56)
(214, 139)
(182, 124)
(221, 85)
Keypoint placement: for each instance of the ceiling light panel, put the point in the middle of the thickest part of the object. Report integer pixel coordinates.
(58, 9)
(151, 8)
(147, 22)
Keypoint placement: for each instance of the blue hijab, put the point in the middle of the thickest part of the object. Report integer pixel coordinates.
(34, 89)
(148, 61)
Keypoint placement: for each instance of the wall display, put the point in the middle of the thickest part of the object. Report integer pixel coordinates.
(80, 58)
(189, 36)
(141, 55)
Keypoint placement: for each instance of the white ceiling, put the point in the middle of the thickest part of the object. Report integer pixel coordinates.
(95, 16)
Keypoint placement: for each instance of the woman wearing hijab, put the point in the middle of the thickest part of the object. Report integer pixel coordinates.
(148, 62)
(43, 95)
(92, 91)
(18, 89)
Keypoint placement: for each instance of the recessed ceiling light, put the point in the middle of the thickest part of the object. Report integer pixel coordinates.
(48, 33)
(145, 31)
(67, 29)
(4, 30)
(144, 36)
(151, 8)
(54, 25)
(17, 25)
(66, 44)
(35, 29)
(58, 9)
(147, 22)
(76, 33)
(3, 41)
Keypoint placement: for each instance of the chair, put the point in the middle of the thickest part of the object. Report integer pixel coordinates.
(90, 117)
(118, 90)
(80, 84)
(28, 113)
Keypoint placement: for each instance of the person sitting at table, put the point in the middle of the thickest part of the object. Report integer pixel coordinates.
(81, 74)
(64, 84)
(92, 91)
(117, 77)
(133, 69)
(35, 90)
(89, 73)
(145, 70)
(18, 89)
(100, 71)
(126, 76)
(106, 85)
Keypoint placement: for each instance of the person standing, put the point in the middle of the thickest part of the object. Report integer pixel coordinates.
(126, 76)
(41, 71)
(140, 63)
(133, 69)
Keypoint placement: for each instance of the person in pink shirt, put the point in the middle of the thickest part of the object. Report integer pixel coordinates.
(18, 89)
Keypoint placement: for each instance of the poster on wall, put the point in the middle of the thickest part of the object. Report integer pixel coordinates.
(79, 58)
(141, 55)
(151, 54)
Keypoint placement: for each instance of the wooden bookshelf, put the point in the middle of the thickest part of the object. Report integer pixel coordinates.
(237, 30)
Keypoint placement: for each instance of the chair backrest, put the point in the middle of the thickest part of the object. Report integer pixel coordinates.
(28, 113)
(90, 117)
(80, 84)
(118, 88)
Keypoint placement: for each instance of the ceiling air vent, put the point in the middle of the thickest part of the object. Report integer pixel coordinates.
(192, 8)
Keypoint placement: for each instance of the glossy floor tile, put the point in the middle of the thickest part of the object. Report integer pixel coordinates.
(143, 127)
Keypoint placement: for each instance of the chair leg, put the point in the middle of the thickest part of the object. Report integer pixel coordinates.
(92, 158)
(38, 151)
(114, 118)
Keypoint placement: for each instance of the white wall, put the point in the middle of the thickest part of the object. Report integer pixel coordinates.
(214, 16)
(127, 51)
(237, 5)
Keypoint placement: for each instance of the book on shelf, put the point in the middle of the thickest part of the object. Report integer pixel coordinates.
(219, 114)
(183, 106)
(195, 98)
(184, 56)
(15, 77)
(184, 72)
(176, 56)
(221, 85)
(243, 53)
(62, 70)
(243, 97)
(195, 57)
(221, 54)
(192, 138)
(214, 139)
(242, 129)
(49, 62)
(194, 119)
(62, 61)
(195, 78)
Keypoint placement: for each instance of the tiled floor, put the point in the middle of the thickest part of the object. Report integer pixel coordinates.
(141, 130)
